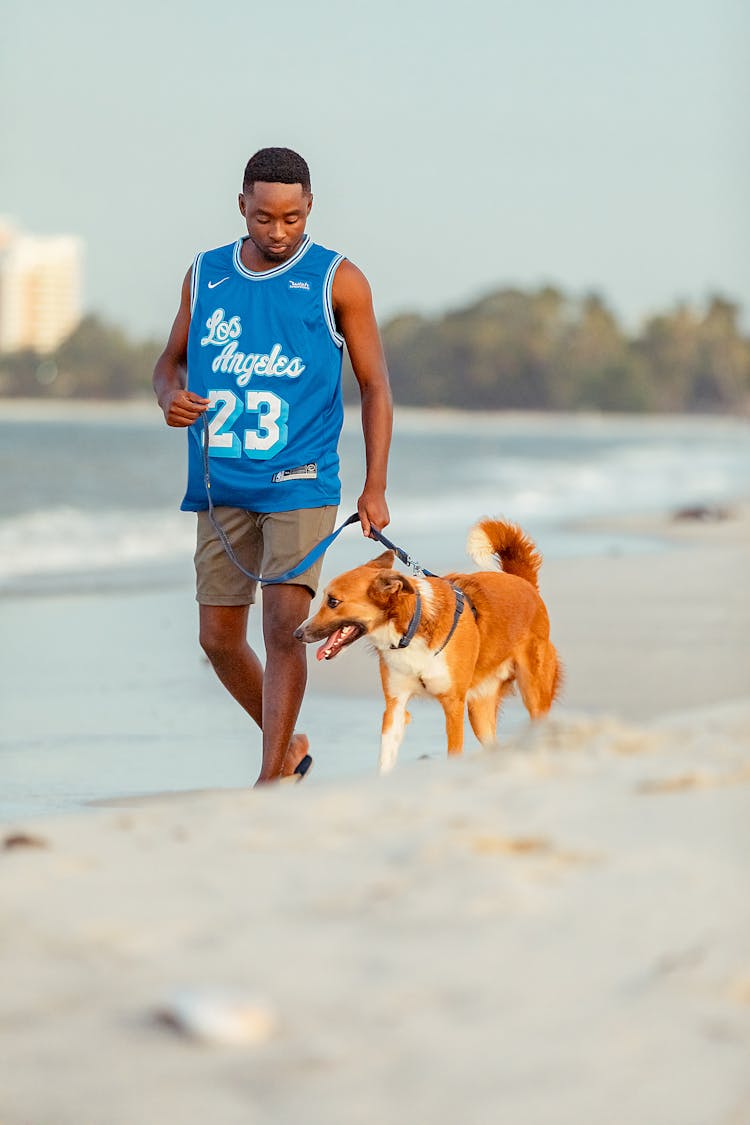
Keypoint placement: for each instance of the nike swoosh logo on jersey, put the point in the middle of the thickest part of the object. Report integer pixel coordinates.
(213, 284)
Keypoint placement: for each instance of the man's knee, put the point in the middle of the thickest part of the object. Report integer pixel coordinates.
(284, 610)
(215, 647)
(222, 634)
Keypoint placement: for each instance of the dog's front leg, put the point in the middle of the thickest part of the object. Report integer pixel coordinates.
(395, 718)
(454, 707)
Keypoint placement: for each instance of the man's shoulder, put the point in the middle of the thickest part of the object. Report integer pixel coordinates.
(320, 248)
(318, 255)
(218, 253)
(350, 284)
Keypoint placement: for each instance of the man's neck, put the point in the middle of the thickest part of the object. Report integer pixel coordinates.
(253, 259)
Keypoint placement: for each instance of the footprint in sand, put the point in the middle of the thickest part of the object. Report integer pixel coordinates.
(536, 846)
(680, 783)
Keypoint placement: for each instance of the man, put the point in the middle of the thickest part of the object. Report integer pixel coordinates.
(255, 355)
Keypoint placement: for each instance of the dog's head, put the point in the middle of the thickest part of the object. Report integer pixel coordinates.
(356, 604)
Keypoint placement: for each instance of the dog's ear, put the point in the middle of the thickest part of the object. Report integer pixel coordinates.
(388, 586)
(386, 560)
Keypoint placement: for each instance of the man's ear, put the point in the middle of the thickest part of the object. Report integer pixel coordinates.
(386, 560)
(388, 586)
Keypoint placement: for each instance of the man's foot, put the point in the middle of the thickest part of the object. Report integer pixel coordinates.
(298, 750)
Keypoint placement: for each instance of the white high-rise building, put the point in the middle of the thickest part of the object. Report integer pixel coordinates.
(40, 289)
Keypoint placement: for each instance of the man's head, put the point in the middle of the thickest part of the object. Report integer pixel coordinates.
(276, 166)
(275, 202)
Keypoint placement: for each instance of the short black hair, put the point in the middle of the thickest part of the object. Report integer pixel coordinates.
(276, 166)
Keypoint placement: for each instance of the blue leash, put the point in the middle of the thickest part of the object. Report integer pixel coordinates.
(313, 555)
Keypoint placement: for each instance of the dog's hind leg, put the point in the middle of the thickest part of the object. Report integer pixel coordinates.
(395, 718)
(538, 676)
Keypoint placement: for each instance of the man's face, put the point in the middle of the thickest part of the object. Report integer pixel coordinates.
(276, 215)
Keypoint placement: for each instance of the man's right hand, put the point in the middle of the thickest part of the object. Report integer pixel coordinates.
(182, 408)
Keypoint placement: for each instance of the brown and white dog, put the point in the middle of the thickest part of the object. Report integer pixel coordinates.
(430, 641)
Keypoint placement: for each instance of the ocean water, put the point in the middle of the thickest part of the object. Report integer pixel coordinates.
(92, 492)
(103, 690)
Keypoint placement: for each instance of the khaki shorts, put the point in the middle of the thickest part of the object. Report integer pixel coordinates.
(264, 542)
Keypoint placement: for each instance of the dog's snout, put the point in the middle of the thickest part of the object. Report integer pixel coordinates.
(299, 632)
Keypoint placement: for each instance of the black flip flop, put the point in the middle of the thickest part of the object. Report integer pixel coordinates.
(300, 772)
(303, 767)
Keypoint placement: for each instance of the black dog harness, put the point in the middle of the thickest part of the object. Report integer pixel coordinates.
(461, 600)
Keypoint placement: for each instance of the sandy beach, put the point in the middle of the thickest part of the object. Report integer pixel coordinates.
(556, 931)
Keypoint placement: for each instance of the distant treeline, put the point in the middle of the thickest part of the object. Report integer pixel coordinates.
(545, 351)
(96, 361)
(516, 350)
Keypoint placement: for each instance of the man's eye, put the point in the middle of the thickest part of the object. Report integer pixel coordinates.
(332, 602)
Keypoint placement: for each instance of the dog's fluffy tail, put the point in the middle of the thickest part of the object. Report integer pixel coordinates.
(508, 545)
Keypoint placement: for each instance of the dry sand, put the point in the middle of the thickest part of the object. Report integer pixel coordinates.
(557, 931)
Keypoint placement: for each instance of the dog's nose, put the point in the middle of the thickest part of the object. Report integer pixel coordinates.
(300, 633)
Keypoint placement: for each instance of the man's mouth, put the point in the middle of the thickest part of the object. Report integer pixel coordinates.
(339, 638)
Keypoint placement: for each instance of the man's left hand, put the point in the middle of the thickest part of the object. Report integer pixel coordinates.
(372, 509)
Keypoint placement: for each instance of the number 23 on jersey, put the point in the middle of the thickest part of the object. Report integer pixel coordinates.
(266, 433)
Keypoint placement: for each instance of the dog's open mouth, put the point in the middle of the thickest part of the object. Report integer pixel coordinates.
(339, 638)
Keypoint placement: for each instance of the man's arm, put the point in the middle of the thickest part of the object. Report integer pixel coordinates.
(181, 407)
(355, 319)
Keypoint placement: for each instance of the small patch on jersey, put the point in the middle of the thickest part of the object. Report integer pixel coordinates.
(302, 472)
(299, 284)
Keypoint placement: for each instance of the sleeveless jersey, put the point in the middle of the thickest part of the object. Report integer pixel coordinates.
(263, 347)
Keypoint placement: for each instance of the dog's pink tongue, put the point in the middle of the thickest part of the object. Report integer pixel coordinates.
(330, 646)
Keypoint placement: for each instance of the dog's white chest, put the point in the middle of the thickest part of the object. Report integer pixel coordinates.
(416, 669)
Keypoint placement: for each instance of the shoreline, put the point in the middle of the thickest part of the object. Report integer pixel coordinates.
(639, 636)
(146, 406)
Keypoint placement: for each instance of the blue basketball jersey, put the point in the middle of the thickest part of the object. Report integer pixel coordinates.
(263, 347)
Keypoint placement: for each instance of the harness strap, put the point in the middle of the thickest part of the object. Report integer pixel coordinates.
(408, 636)
(460, 602)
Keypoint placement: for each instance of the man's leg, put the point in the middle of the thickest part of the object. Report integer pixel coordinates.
(223, 637)
(287, 537)
(223, 627)
(270, 543)
(285, 607)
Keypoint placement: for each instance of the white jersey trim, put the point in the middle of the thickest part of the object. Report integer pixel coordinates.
(262, 275)
(330, 319)
(194, 280)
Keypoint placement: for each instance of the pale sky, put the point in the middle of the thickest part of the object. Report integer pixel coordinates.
(453, 149)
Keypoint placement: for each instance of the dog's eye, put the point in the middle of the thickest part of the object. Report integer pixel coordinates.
(332, 602)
